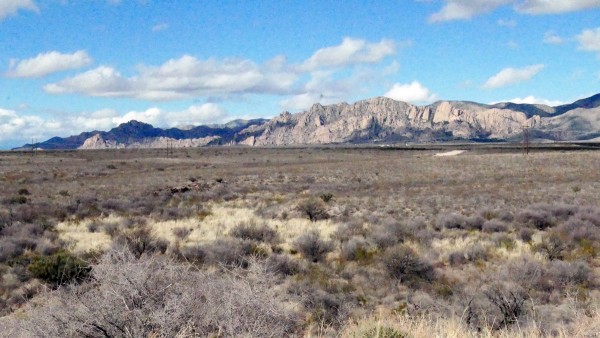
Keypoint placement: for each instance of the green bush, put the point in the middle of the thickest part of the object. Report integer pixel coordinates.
(59, 268)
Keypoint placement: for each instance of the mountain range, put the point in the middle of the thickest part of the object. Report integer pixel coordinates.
(375, 120)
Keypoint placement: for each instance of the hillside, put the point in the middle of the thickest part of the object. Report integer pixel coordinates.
(374, 120)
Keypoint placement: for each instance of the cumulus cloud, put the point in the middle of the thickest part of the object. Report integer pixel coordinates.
(552, 38)
(589, 40)
(177, 79)
(48, 63)
(188, 76)
(325, 87)
(509, 76)
(555, 6)
(100, 81)
(536, 100)
(413, 92)
(10, 7)
(466, 9)
(22, 127)
(350, 51)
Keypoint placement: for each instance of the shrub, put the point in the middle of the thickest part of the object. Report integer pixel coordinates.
(326, 197)
(282, 264)
(403, 263)
(23, 191)
(314, 209)
(251, 231)
(181, 233)
(457, 221)
(345, 231)
(156, 297)
(553, 246)
(140, 241)
(451, 221)
(17, 200)
(494, 226)
(312, 247)
(358, 249)
(509, 300)
(526, 234)
(59, 268)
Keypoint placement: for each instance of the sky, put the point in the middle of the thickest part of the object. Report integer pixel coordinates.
(68, 66)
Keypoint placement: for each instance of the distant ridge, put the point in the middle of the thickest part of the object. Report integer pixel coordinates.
(374, 120)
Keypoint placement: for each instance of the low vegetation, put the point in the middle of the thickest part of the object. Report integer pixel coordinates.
(299, 242)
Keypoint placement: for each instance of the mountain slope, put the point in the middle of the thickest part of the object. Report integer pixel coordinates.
(378, 119)
(138, 134)
(384, 119)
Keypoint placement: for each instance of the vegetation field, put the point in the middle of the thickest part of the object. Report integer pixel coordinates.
(300, 242)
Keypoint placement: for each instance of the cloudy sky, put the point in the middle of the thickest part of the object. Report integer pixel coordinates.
(76, 65)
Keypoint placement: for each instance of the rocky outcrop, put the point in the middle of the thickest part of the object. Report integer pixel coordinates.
(384, 119)
(97, 142)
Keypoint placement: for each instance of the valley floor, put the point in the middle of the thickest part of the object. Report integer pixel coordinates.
(333, 241)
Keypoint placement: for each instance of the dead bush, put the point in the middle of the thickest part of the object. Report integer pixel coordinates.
(404, 264)
(153, 296)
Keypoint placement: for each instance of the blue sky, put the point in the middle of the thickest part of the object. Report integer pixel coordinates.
(69, 66)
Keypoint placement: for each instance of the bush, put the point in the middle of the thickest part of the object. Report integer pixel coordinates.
(251, 231)
(156, 297)
(347, 230)
(23, 191)
(282, 264)
(526, 234)
(140, 241)
(314, 209)
(312, 247)
(403, 263)
(509, 300)
(451, 221)
(494, 226)
(326, 197)
(358, 249)
(59, 268)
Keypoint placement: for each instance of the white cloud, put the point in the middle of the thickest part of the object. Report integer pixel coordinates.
(22, 127)
(350, 51)
(465, 9)
(177, 79)
(48, 63)
(552, 38)
(195, 115)
(535, 100)
(160, 27)
(413, 92)
(187, 76)
(10, 7)
(555, 6)
(101, 81)
(325, 87)
(509, 76)
(589, 40)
